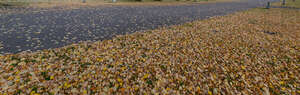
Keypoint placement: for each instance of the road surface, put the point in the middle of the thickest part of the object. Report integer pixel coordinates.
(52, 29)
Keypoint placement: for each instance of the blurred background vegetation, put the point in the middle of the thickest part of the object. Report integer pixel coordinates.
(289, 3)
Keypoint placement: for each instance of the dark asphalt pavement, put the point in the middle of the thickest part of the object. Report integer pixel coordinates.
(52, 29)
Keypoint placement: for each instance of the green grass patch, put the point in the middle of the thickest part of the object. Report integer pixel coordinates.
(293, 3)
(289, 3)
(11, 4)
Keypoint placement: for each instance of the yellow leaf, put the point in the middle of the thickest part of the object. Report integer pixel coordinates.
(243, 67)
(146, 76)
(119, 80)
(116, 85)
(52, 77)
(84, 92)
(66, 85)
(281, 82)
(168, 88)
(17, 72)
(81, 80)
(104, 69)
(214, 76)
(10, 78)
(283, 88)
(136, 88)
(17, 77)
(32, 92)
(100, 59)
(48, 67)
(123, 68)
(18, 80)
(209, 93)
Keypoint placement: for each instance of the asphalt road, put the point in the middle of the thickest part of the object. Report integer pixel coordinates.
(52, 29)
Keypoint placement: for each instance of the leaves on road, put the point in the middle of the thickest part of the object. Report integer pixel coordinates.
(38, 29)
(1, 45)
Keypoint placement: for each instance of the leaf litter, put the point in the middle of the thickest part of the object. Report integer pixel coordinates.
(184, 59)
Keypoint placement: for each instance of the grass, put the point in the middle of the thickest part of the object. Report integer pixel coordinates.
(252, 52)
(10, 4)
(289, 3)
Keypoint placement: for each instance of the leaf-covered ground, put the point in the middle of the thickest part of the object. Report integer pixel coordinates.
(251, 52)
